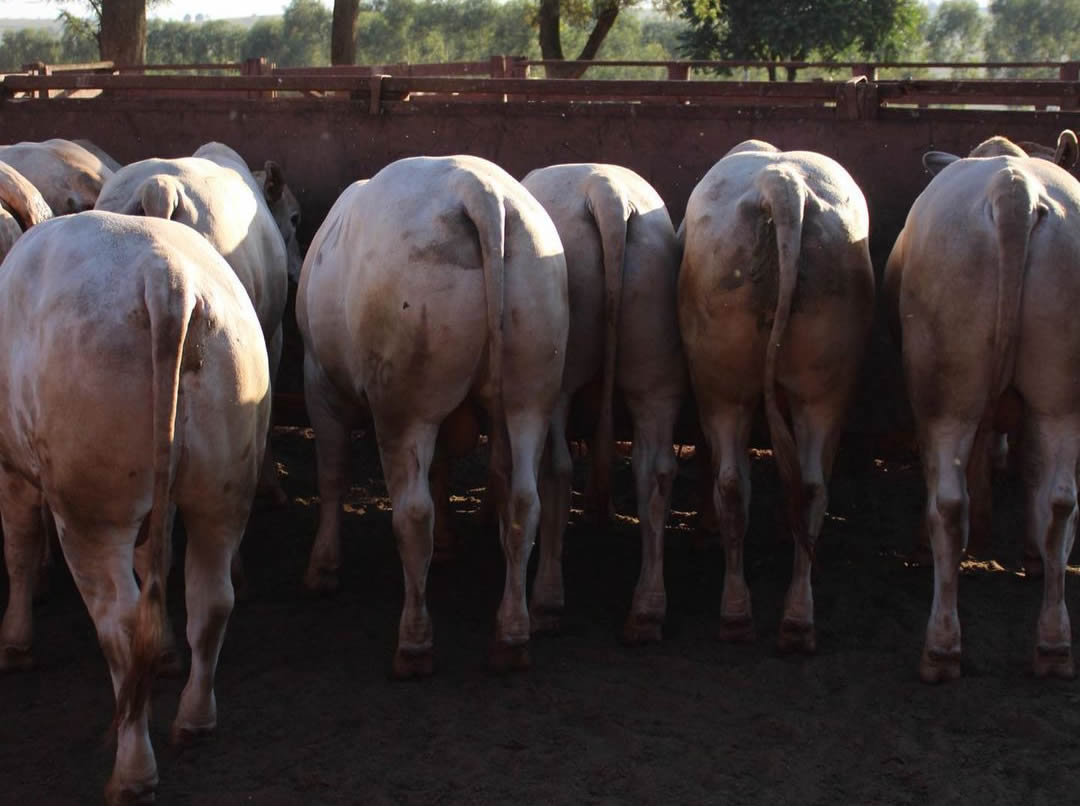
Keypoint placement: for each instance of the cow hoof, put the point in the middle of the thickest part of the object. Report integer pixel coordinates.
(939, 666)
(544, 620)
(321, 581)
(507, 658)
(16, 659)
(413, 664)
(797, 636)
(129, 794)
(737, 630)
(1054, 661)
(643, 628)
(184, 736)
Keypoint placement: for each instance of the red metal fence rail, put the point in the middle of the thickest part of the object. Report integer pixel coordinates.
(854, 98)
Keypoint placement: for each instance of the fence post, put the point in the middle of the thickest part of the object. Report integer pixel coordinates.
(678, 72)
(257, 67)
(498, 67)
(38, 69)
(1070, 71)
(867, 69)
(519, 67)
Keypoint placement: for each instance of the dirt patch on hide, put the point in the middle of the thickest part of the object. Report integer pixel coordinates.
(307, 713)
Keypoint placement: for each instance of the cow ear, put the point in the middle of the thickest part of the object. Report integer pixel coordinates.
(935, 161)
(1067, 150)
(274, 185)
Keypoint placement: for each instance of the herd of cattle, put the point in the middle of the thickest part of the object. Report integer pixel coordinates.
(137, 359)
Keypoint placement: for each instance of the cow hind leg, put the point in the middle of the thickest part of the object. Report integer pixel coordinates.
(211, 544)
(556, 480)
(817, 433)
(947, 449)
(170, 664)
(517, 532)
(24, 546)
(654, 468)
(1052, 516)
(269, 481)
(406, 460)
(101, 565)
(727, 430)
(332, 432)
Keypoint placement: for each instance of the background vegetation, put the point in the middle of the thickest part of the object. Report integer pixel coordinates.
(388, 31)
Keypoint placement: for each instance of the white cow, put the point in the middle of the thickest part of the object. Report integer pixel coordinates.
(622, 260)
(214, 193)
(133, 382)
(106, 159)
(985, 277)
(776, 297)
(437, 280)
(67, 175)
(21, 207)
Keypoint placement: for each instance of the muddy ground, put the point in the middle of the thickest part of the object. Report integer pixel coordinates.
(307, 713)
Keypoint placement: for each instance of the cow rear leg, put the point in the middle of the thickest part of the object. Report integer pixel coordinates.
(654, 474)
(24, 547)
(101, 565)
(947, 449)
(556, 481)
(727, 430)
(269, 481)
(817, 433)
(1052, 514)
(211, 544)
(520, 516)
(406, 460)
(332, 432)
(979, 471)
(170, 664)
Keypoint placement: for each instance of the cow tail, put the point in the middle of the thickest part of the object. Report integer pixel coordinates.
(170, 306)
(784, 201)
(1014, 209)
(157, 197)
(611, 211)
(486, 208)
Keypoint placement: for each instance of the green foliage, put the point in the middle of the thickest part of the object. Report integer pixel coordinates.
(955, 32)
(27, 45)
(1034, 30)
(797, 30)
(306, 34)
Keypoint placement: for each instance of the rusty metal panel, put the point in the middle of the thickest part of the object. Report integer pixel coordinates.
(323, 147)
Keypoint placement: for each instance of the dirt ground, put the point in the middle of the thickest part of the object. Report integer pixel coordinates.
(308, 715)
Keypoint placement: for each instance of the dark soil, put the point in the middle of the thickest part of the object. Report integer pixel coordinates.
(307, 713)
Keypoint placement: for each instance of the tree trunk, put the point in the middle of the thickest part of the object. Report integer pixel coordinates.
(123, 31)
(343, 33)
(551, 41)
(596, 37)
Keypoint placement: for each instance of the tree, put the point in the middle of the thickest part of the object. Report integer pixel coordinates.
(123, 31)
(26, 46)
(956, 30)
(343, 32)
(793, 30)
(602, 14)
(1033, 30)
(306, 33)
(119, 26)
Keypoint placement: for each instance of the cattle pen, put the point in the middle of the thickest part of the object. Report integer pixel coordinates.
(307, 714)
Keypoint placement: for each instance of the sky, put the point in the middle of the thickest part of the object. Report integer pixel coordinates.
(176, 9)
